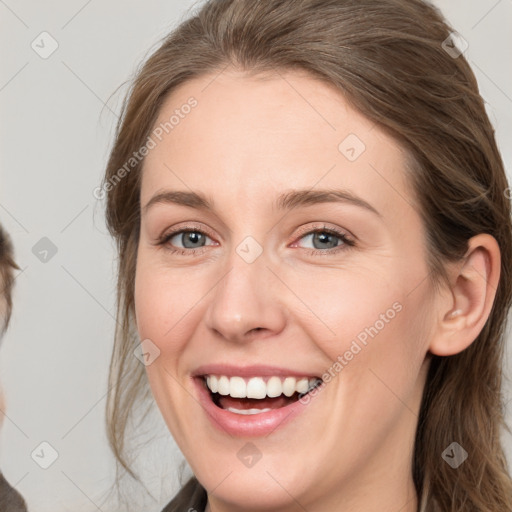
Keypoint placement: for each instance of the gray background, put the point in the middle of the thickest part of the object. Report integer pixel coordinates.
(57, 119)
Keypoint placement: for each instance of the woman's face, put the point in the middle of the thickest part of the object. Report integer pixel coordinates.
(293, 251)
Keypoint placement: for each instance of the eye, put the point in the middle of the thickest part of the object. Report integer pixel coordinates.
(187, 240)
(325, 240)
(191, 240)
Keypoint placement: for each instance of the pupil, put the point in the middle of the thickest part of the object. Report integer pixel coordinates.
(325, 238)
(192, 236)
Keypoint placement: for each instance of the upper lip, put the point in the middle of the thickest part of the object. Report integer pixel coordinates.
(258, 370)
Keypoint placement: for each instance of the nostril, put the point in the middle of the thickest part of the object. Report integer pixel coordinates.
(255, 333)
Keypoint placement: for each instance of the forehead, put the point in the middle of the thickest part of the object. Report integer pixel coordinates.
(252, 135)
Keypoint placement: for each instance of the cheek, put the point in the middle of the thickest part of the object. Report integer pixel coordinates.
(370, 321)
(164, 302)
(345, 304)
(164, 309)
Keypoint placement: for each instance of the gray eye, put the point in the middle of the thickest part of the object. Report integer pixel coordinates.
(323, 239)
(189, 239)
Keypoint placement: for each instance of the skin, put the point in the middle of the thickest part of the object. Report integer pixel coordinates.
(250, 139)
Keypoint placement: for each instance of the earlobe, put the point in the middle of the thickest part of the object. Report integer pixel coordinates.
(473, 289)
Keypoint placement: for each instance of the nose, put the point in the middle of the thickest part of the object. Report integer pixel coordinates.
(245, 303)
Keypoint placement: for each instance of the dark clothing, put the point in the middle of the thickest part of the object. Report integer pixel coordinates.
(10, 499)
(191, 498)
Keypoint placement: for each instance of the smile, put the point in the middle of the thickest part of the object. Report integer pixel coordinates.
(258, 391)
(253, 405)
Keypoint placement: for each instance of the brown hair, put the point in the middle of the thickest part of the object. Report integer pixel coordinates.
(388, 59)
(7, 267)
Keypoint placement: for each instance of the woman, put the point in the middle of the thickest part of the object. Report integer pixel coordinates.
(315, 246)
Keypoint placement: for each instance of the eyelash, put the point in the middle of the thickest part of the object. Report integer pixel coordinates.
(345, 245)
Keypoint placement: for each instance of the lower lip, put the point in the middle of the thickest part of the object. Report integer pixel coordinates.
(261, 424)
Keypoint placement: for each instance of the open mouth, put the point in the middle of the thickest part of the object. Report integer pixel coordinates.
(257, 395)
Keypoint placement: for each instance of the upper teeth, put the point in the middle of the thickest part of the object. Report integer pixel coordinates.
(258, 387)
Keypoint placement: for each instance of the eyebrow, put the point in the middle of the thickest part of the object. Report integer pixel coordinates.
(287, 201)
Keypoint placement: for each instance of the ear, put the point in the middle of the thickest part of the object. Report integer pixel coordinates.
(473, 284)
